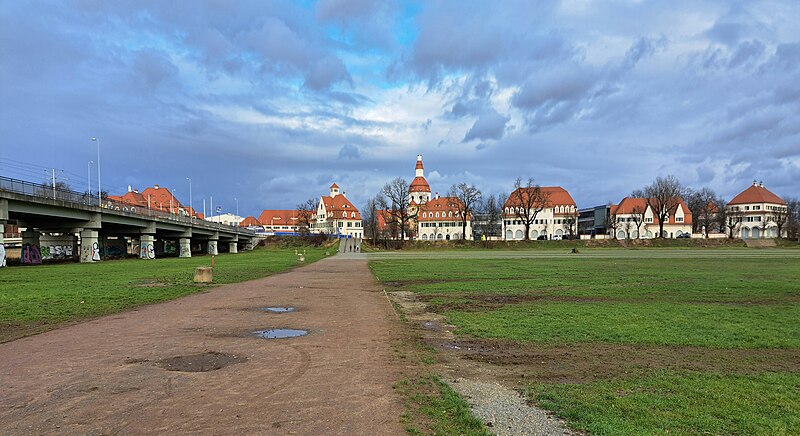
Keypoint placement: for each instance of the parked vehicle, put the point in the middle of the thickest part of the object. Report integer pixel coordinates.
(683, 236)
(542, 238)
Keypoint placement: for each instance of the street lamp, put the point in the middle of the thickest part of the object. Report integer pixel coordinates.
(190, 198)
(237, 205)
(99, 191)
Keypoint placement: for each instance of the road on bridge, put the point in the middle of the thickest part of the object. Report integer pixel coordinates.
(110, 375)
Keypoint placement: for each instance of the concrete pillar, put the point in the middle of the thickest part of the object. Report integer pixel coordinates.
(184, 247)
(233, 247)
(90, 246)
(212, 247)
(147, 247)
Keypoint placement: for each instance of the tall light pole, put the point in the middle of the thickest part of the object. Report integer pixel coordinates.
(99, 191)
(89, 176)
(190, 199)
(237, 205)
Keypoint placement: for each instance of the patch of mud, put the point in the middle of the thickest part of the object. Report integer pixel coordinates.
(579, 363)
(483, 302)
(151, 283)
(203, 362)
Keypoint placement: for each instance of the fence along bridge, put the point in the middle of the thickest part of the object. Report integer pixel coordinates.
(82, 229)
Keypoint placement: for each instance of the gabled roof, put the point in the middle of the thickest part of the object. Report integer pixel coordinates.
(558, 196)
(283, 217)
(334, 206)
(334, 186)
(250, 221)
(756, 194)
(628, 204)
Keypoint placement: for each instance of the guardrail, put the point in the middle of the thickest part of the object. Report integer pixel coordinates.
(83, 200)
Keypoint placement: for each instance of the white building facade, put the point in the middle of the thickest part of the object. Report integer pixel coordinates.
(440, 219)
(757, 212)
(631, 210)
(336, 215)
(552, 222)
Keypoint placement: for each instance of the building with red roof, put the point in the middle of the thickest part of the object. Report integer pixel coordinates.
(635, 219)
(756, 213)
(336, 215)
(155, 198)
(280, 220)
(441, 218)
(558, 217)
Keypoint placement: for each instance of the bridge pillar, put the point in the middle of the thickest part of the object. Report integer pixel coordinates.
(90, 246)
(30, 254)
(147, 247)
(212, 247)
(233, 247)
(184, 247)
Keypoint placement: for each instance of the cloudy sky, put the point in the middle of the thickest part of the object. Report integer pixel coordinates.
(270, 102)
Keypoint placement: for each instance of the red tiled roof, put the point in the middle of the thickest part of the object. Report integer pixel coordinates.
(558, 196)
(443, 205)
(250, 221)
(756, 194)
(335, 206)
(334, 186)
(279, 217)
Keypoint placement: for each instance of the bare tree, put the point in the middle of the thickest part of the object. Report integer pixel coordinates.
(570, 226)
(611, 223)
(466, 198)
(370, 219)
(395, 202)
(703, 205)
(491, 211)
(663, 196)
(305, 215)
(637, 217)
(526, 202)
(733, 218)
(793, 218)
(780, 216)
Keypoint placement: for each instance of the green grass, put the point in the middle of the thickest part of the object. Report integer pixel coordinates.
(38, 298)
(465, 245)
(684, 301)
(679, 403)
(705, 325)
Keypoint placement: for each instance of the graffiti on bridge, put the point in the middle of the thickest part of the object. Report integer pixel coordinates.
(115, 251)
(91, 253)
(147, 251)
(30, 255)
(56, 252)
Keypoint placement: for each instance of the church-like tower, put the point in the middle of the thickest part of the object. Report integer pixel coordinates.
(420, 191)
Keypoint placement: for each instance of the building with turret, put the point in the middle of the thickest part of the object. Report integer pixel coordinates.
(336, 215)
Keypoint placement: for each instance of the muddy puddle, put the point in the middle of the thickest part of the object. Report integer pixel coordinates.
(202, 362)
(280, 333)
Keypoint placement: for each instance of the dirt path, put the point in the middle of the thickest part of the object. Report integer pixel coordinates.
(107, 377)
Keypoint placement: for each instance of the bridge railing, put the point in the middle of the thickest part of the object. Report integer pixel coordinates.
(42, 191)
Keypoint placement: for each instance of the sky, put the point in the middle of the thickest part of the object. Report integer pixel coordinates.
(265, 104)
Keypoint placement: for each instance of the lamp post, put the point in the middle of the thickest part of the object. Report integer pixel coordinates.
(190, 198)
(237, 205)
(99, 191)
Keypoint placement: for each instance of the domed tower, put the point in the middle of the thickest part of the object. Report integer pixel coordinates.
(420, 190)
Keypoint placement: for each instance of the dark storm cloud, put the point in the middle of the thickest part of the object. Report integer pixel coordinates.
(255, 99)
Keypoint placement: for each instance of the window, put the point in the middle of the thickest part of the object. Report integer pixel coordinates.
(679, 219)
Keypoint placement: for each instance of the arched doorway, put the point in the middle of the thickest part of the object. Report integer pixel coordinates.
(534, 234)
(518, 234)
(559, 232)
(621, 234)
(509, 235)
(755, 233)
(447, 237)
(745, 233)
(424, 237)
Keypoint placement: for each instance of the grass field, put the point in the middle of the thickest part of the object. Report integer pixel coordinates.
(39, 298)
(629, 341)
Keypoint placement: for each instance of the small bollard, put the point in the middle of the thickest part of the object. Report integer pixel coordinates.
(302, 258)
(203, 274)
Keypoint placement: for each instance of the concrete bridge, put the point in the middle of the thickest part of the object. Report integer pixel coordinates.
(82, 229)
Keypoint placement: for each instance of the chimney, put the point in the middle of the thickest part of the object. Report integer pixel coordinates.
(761, 184)
(344, 194)
(755, 183)
(437, 195)
(156, 186)
(130, 189)
(135, 191)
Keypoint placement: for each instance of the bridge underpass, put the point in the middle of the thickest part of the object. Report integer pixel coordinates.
(61, 224)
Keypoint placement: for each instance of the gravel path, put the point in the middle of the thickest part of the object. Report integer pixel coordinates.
(505, 412)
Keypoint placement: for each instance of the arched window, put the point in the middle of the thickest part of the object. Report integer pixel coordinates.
(353, 215)
(450, 214)
(344, 214)
(437, 214)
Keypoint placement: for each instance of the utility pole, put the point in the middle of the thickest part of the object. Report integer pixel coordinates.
(54, 183)
(99, 190)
